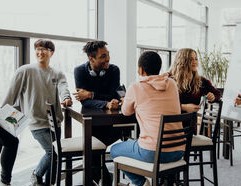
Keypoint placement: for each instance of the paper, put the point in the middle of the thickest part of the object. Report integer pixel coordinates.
(12, 120)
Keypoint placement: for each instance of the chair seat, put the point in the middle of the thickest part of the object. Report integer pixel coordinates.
(201, 140)
(76, 144)
(148, 166)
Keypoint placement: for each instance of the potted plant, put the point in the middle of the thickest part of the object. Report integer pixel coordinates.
(214, 66)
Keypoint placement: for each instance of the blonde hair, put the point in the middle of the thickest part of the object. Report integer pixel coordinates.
(181, 71)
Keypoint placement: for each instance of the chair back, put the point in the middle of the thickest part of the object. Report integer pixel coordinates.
(54, 127)
(210, 122)
(177, 137)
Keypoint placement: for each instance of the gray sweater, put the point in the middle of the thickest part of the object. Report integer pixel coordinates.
(31, 87)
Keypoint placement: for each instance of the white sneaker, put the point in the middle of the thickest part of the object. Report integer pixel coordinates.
(3, 184)
(147, 183)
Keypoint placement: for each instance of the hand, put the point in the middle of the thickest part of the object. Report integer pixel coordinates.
(237, 100)
(210, 96)
(113, 104)
(190, 107)
(82, 94)
(67, 102)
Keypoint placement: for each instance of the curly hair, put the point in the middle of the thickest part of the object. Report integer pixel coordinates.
(181, 71)
(92, 47)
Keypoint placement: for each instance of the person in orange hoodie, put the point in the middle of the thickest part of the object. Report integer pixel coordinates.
(148, 98)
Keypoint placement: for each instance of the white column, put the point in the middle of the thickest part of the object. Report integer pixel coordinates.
(120, 33)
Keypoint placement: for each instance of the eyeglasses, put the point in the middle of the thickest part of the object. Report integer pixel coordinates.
(44, 50)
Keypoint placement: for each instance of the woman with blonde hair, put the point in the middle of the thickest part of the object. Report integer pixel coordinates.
(191, 85)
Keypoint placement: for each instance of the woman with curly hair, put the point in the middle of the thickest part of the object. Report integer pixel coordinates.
(191, 85)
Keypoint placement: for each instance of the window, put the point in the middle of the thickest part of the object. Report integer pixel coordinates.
(187, 34)
(50, 17)
(191, 8)
(9, 59)
(170, 25)
(151, 27)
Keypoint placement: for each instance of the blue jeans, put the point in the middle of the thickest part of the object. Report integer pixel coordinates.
(8, 149)
(43, 136)
(131, 149)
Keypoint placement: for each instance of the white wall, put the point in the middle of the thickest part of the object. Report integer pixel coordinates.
(215, 18)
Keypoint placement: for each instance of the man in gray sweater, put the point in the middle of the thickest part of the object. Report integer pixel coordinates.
(31, 86)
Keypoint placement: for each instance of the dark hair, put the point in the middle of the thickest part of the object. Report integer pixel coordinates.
(150, 62)
(92, 47)
(44, 43)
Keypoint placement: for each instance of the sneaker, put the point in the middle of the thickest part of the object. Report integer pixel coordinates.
(36, 180)
(4, 184)
(94, 183)
(110, 182)
(147, 183)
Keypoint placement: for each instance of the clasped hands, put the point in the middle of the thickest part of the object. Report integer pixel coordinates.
(82, 94)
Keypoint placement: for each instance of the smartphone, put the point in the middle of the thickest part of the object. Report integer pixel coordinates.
(203, 100)
(201, 103)
(121, 91)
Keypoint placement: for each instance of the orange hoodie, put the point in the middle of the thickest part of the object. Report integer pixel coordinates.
(148, 99)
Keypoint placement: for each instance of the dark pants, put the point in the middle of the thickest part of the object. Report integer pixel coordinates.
(9, 147)
(108, 135)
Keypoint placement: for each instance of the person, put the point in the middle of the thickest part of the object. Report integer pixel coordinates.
(31, 86)
(191, 86)
(8, 149)
(237, 100)
(96, 80)
(148, 98)
(96, 83)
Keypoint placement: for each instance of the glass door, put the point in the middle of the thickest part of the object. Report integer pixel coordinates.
(10, 58)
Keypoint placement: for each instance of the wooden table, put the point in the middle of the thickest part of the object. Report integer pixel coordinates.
(89, 118)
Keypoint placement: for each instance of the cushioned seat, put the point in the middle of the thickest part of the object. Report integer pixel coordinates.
(200, 140)
(70, 149)
(167, 139)
(206, 141)
(74, 144)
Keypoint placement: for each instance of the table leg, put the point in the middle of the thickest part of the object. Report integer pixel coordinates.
(226, 139)
(87, 133)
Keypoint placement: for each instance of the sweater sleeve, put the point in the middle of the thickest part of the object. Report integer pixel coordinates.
(80, 82)
(210, 88)
(15, 89)
(63, 87)
(104, 88)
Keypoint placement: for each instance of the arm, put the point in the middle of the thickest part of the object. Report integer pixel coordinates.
(128, 105)
(211, 92)
(16, 86)
(190, 107)
(82, 94)
(63, 90)
(90, 94)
